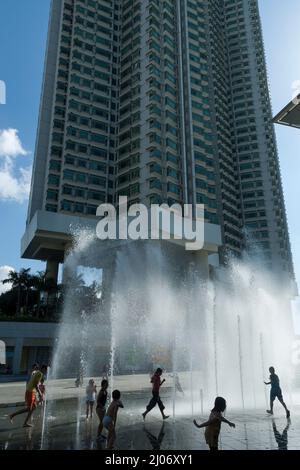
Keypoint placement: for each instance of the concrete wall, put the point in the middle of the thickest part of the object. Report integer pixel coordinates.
(26, 339)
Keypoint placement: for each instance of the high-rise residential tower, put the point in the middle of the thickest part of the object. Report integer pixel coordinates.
(161, 101)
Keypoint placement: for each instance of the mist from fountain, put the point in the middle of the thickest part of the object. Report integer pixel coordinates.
(220, 336)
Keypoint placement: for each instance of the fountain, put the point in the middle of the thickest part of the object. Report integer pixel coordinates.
(44, 413)
(217, 335)
(241, 361)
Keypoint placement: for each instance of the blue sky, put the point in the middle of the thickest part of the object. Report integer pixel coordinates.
(22, 48)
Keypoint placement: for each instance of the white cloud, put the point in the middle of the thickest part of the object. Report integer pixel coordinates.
(10, 144)
(14, 187)
(4, 270)
(14, 183)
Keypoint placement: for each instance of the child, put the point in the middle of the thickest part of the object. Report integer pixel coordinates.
(213, 425)
(275, 392)
(91, 391)
(101, 403)
(178, 385)
(157, 383)
(42, 387)
(105, 372)
(110, 419)
(42, 390)
(32, 390)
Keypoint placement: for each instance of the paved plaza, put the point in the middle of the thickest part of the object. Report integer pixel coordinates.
(67, 428)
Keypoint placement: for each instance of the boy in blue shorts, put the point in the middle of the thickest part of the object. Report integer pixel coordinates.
(275, 392)
(110, 419)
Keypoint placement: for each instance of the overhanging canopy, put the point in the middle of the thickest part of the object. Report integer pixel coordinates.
(290, 115)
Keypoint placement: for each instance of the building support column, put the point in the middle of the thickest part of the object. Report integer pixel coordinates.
(69, 270)
(17, 356)
(51, 277)
(202, 264)
(52, 271)
(197, 263)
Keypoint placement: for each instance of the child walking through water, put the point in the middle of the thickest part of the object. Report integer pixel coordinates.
(101, 404)
(213, 425)
(110, 419)
(91, 391)
(156, 384)
(32, 391)
(275, 392)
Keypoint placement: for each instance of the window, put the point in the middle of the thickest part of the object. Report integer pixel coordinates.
(66, 206)
(53, 180)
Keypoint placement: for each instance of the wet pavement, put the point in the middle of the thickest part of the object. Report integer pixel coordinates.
(66, 428)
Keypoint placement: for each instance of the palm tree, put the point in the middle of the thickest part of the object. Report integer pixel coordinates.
(19, 281)
(51, 289)
(47, 286)
(38, 284)
(75, 282)
(29, 284)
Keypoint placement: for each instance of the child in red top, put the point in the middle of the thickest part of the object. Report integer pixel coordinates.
(156, 384)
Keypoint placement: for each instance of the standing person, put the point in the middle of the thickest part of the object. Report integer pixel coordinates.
(178, 386)
(105, 372)
(156, 384)
(213, 425)
(150, 369)
(78, 381)
(276, 392)
(32, 390)
(79, 378)
(101, 404)
(42, 387)
(91, 391)
(110, 419)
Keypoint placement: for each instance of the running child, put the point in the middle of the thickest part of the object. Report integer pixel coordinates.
(32, 391)
(275, 392)
(156, 400)
(213, 425)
